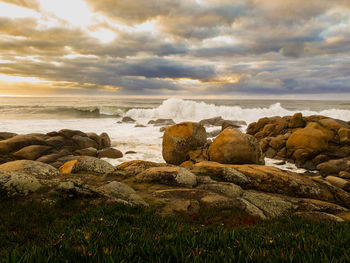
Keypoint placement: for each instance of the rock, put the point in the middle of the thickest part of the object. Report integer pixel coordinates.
(162, 129)
(271, 206)
(317, 216)
(87, 152)
(297, 121)
(216, 200)
(344, 175)
(334, 166)
(344, 215)
(32, 152)
(18, 183)
(333, 124)
(19, 141)
(87, 164)
(110, 153)
(95, 137)
(234, 147)
(221, 172)
(38, 169)
(7, 135)
(70, 133)
(120, 192)
(278, 142)
(179, 139)
(133, 168)
(308, 205)
(84, 142)
(251, 209)
(50, 158)
(232, 124)
(215, 121)
(339, 182)
(62, 160)
(130, 152)
(169, 176)
(75, 189)
(58, 141)
(226, 189)
(105, 140)
(344, 135)
(213, 133)
(162, 122)
(309, 141)
(140, 126)
(128, 119)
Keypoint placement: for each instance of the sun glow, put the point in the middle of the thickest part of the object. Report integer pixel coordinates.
(103, 35)
(13, 11)
(8, 78)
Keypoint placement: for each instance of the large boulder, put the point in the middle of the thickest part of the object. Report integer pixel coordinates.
(105, 140)
(7, 135)
(234, 147)
(19, 141)
(18, 183)
(84, 142)
(86, 164)
(32, 152)
(179, 139)
(309, 141)
(37, 169)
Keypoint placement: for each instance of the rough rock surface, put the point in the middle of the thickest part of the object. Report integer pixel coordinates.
(18, 183)
(179, 139)
(87, 164)
(234, 147)
(37, 169)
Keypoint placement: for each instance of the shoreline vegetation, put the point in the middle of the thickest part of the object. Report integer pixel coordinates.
(212, 200)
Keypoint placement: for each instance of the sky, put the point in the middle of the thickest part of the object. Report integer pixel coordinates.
(184, 48)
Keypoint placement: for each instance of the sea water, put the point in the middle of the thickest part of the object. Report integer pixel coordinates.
(42, 115)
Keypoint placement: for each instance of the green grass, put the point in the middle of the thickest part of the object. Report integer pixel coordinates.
(74, 232)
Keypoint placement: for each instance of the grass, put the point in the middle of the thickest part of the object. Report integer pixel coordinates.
(75, 232)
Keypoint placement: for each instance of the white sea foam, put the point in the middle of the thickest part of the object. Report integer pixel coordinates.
(187, 110)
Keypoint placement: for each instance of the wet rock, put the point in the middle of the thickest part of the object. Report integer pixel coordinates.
(232, 124)
(169, 176)
(70, 133)
(38, 169)
(162, 122)
(140, 126)
(215, 121)
(130, 152)
(127, 119)
(32, 152)
(133, 168)
(50, 158)
(95, 137)
(58, 142)
(334, 166)
(87, 164)
(110, 153)
(213, 133)
(105, 140)
(179, 139)
(234, 147)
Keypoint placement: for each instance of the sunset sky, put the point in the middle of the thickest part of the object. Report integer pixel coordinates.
(209, 48)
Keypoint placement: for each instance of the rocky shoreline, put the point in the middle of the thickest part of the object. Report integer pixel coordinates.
(227, 171)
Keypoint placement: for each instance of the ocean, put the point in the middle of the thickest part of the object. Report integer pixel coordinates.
(95, 114)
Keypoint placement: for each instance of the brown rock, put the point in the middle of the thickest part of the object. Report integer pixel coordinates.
(7, 135)
(128, 119)
(94, 137)
(333, 166)
(169, 176)
(297, 121)
(339, 182)
(67, 168)
(87, 164)
(344, 135)
(32, 152)
(344, 175)
(317, 216)
(58, 141)
(278, 142)
(179, 139)
(234, 147)
(70, 133)
(50, 158)
(333, 124)
(110, 153)
(162, 122)
(309, 141)
(232, 124)
(84, 142)
(132, 168)
(19, 141)
(105, 140)
(87, 152)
